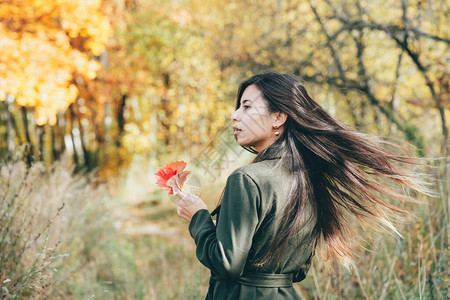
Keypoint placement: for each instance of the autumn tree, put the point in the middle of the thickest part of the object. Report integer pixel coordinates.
(47, 47)
(161, 65)
(387, 71)
(164, 83)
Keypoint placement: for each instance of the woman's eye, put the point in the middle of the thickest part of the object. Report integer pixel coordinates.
(246, 106)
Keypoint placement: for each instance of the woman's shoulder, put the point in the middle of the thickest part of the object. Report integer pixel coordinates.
(262, 172)
(268, 177)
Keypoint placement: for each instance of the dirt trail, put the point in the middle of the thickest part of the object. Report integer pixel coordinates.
(146, 219)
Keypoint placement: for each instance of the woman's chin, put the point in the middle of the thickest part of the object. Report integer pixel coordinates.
(243, 144)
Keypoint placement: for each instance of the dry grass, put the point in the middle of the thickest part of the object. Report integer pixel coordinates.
(61, 238)
(65, 236)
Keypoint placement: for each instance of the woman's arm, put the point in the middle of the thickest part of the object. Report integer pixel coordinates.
(224, 249)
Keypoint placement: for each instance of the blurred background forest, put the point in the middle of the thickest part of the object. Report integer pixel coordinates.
(95, 95)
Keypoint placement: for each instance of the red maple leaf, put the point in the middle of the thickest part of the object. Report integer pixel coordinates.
(167, 172)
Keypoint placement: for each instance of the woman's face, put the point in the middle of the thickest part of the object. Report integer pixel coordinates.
(253, 123)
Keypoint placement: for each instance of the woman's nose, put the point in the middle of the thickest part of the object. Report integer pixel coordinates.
(234, 115)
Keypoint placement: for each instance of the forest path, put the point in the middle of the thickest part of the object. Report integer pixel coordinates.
(154, 218)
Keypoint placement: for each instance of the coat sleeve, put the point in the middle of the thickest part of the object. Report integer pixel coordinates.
(224, 248)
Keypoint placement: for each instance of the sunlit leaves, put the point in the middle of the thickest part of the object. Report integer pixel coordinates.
(44, 45)
(170, 69)
(167, 65)
(393, 60)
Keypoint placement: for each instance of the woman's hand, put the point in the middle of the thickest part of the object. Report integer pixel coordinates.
(188, 205)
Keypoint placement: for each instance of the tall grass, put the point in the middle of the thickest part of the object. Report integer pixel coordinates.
(65, 236)
(61, 238)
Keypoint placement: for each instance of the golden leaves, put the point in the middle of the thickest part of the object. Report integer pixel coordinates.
(44, 44)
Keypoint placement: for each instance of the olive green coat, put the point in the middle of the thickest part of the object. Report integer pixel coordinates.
(247, 221)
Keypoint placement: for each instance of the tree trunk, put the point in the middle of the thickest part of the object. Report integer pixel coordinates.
(69, 131)
(40, 137)
(121, 120)
(30, 149)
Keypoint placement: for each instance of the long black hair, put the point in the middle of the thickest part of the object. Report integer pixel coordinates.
(332, 166)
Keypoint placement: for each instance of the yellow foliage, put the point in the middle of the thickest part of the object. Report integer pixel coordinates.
(44, 45)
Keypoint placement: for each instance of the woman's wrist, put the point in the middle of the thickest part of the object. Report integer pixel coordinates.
(200, 221)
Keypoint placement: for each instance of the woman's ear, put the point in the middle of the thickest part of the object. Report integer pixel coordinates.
(279, 118)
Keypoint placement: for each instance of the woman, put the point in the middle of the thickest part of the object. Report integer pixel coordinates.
(312, 182)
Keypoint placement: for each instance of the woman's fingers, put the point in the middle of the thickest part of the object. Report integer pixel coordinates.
(183, 213)
(189, 205)
(187, 198)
